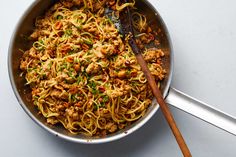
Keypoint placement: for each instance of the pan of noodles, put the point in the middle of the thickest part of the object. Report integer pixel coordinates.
(76, 76)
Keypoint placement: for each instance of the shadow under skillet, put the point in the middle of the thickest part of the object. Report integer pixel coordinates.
(154, 131)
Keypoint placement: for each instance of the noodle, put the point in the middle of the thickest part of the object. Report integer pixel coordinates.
(83, 75)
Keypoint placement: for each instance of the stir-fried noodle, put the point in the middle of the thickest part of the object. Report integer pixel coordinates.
(83, 74)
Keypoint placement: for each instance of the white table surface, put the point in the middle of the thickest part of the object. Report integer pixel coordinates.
(203, 33)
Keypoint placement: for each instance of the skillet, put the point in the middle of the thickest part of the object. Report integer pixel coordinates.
(172, 96)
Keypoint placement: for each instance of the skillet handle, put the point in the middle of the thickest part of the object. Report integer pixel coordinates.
(201, 110)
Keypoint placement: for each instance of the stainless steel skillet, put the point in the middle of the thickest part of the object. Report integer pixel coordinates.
(173, 96)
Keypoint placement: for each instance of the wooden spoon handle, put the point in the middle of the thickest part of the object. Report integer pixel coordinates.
(127, 29)
(164, 108)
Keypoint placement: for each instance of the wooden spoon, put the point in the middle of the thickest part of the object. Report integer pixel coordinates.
(126, 23)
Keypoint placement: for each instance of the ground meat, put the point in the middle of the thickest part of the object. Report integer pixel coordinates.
(68, 3)
(92, 68)
(73, 90)
(70, 111)
(52, 120)
(153, 54)
(121, 74)
(111, 127)
(35, 35)
(59, 94)
(23, 65)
